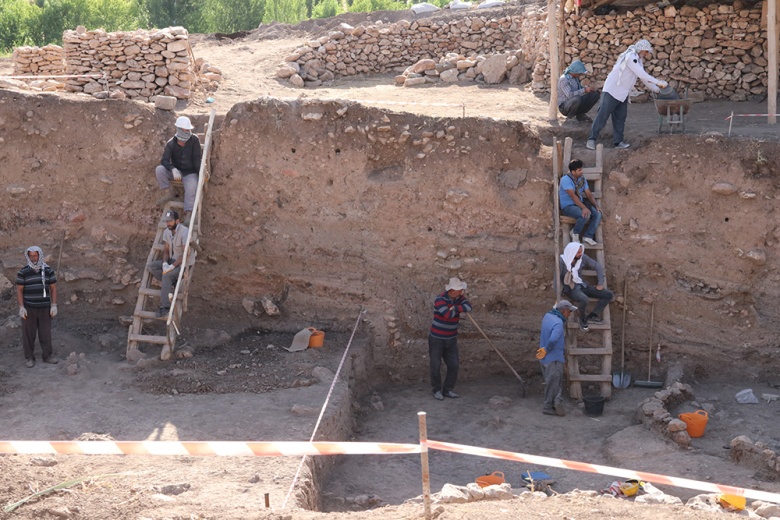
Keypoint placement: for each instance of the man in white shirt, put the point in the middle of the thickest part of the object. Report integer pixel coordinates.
(628, 68)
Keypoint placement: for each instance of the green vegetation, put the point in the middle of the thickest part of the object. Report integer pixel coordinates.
(41, 22)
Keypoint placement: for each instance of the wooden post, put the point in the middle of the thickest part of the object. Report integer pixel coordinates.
(426, 475)
(555, 70)
(771, 37)
(556, 217)
(562, 34)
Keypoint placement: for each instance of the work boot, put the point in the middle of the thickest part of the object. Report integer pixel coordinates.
(437, 395)
(162, 312)
(169, 196)
(450, 394)
(560, 411)
(187, 217)
(31, 363)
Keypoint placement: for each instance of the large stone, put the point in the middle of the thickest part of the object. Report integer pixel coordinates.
(499, 492)
(178, 45)
(423, 65)
(269, 306)
(724, 188)
(165, 102)
(452, 494)
(449, 76)
(619, 178)
(411, 82)
(297, 81)
(178, 92)
(494, 69)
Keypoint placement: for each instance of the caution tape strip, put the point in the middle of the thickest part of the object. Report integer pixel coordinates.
(290, 449)
(604, 470)
(750, 115)
(222, 449)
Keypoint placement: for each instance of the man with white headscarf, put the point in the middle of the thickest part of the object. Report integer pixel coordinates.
(36, 293)
(574, 100)
(572, 262)
(628, 68)
(180, 162)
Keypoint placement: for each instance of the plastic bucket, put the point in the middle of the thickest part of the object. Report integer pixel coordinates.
(696, 422)
(594, 405)
(317, 338)
(494, 478)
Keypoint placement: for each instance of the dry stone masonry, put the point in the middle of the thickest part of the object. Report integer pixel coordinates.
(139, 64)
(384, 48)
(717, 50)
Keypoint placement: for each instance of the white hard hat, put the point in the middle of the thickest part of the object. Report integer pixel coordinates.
(184, 122)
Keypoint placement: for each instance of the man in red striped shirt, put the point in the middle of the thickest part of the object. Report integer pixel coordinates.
(443, 337)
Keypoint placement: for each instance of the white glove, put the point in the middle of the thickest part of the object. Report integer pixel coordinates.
(176, 174)
(167, 268)
(53, 310)
(662, 84)
(23, 313)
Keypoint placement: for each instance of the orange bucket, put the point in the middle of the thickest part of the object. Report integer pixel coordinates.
(317, 338)
(696, 422)
(494, 478)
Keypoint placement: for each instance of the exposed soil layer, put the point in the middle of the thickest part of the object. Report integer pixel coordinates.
(329, 207)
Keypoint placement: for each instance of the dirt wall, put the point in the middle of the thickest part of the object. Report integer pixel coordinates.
(331, 207)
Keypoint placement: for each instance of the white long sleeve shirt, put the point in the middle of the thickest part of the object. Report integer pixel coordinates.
(620, 82)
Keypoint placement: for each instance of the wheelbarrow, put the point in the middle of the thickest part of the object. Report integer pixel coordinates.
(672, 112)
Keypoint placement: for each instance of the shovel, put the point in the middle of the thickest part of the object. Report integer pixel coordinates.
(623, 379)
(650, 383)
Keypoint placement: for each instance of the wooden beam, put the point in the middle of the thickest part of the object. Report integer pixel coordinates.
(771, 36)
(555, 70)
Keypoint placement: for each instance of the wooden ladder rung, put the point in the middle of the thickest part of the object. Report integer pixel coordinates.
(149, 315)
(160, 340)
(156, 292)
(591, 378)
(591, 326)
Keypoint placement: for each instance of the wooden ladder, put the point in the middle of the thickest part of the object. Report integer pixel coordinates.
(563, 225)
(141, 316)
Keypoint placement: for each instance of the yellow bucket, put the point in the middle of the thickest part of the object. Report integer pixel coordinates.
(732, 502)
(317, 338)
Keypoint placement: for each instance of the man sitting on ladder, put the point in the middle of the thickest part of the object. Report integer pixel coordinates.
(167, 270)
(577, 201)
(571, 262)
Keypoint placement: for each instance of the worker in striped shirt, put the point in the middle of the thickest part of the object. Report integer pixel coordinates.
(36, 294)
(443, 337)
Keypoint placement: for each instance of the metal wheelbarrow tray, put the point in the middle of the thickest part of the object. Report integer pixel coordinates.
(672, 112)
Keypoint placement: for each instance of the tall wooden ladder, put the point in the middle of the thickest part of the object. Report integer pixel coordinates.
(143, 318)
(598, 345)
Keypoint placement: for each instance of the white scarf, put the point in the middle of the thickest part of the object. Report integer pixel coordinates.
(39, 266)
(622, 61)
(568, 256)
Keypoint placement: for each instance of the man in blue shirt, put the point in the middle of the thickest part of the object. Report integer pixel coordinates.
(551, 356)
(577, 201)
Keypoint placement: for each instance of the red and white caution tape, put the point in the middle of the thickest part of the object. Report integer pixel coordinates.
(604, 470)
(221, 449)
(750, 115)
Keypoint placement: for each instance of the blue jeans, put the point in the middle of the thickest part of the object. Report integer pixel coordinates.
(446, 349)
(610, 107)
(574, 211)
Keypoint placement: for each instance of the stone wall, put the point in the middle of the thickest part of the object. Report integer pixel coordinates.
(140, 64)
(38, 61)
(718, 50)
(391, 48)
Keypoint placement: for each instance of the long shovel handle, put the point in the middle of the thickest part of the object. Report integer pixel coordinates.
(494, 348)
(623, 329)
(650, 348)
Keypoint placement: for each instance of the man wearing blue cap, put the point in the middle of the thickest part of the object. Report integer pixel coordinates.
(574, 100)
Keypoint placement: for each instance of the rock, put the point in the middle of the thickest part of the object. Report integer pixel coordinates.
(43, 462)
(323, 375)
(452, 494)
(512, 179)
(676, 425)
(499, 492)
(249, 305)
(178, 92)
(620, 178)
(499, 401)
(633, 225)
(165, 102)
(269, 306)
(705, 502)
(288, 69)
(107, 341)
(5, 286)
(300, 410)
(255, 479)
(423, 65)
(449, 76)
(133, 356)
(658, 498)
(117, 94)
(297, 81)
(173, 489)
(411, 82)
(724, 188)
(757, 256)
(494, 69)
(767, 510)
(475, 490)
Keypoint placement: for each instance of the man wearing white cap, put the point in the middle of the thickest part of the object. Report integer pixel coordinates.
(443, 337)
(550, 354)
(180, 162)
(628, 67)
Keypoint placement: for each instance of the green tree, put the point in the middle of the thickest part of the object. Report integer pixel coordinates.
(116, 15)
(18, 23)
(367, 6)
(58, 15)
(327, 9)
(285, 11)
(169, 13)
(231, 16)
